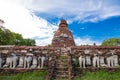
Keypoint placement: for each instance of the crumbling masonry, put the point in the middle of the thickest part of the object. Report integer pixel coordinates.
(61, 59)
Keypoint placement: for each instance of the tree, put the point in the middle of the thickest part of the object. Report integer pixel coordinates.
(6, 37)
(111, 42)
(10, 38)
(28, 42)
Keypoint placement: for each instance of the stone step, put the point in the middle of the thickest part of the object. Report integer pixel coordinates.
(56, 73)
(62, 76)
(62, 72)
(65, 54)
(62, 64)
(62, 60)
(62, 68)
(63, 57)
(65, 62)
(62, 79)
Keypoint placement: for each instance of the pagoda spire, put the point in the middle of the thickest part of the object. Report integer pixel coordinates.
(63, 36)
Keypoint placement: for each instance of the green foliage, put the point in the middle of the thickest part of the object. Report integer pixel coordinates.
(99, 75)
(36, 75)
(10, 38)
(6, 37)
(111, 42)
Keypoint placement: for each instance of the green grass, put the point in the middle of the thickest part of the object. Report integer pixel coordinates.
(36, 75)
(99, 75)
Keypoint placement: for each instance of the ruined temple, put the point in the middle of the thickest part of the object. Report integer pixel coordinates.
(61, 59)
(63, 37)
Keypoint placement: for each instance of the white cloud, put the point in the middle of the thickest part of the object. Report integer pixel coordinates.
(85, 41)
(80, 10)
(21, 20)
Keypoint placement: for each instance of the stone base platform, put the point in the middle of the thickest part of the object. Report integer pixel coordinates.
(18, 70)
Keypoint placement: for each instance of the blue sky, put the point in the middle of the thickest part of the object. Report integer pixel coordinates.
(96, 31)
(89, 20)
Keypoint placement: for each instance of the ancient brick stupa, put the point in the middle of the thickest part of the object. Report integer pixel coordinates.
(63, 37)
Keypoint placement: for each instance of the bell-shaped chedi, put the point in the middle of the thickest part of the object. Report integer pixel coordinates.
(63, 37)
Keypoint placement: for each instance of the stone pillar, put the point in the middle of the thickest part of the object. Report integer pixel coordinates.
(102, 61)
(29, 60)
(115, 59)
(14, 59)
(88, 60)
(21, 61)
(25, 61)
(34, 63)
(42, 61)
(8, 62)
(110, 61)
(39, 61)
(87, 56)
(82, 61)
(96, 60)
(0, 62)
